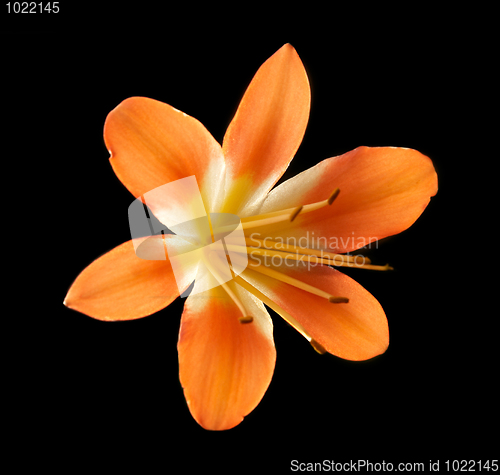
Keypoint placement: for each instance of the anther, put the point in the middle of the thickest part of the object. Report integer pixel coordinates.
(289, 214)
(295, 213)
(338, 299)
(319, 348)
(333, 196)
(246, 319)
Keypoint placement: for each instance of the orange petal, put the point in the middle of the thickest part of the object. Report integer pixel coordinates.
(356, 330)
(267, 129)
(225, 366)
(382, 192)
(121, 286)
(152, 144)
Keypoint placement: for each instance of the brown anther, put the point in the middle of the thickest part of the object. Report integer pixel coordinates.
(247, 319)
(333, 196)
(295, 213)
(319, 348)
(338, 300)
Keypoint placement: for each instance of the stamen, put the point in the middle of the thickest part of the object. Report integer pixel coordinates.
(225, 285)
(296, 283)
(285, 315)
(247, 319)
(387, 267)
(295, 213)
(333, 196)
(287, 214)
(333, 299)
(318, 347)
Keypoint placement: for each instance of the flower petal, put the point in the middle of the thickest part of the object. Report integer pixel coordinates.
(356, 330)
(122, 286)
(266, 131)
(152, 144)
(225, 366)
(382, 192)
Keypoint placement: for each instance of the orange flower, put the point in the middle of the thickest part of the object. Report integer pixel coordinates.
(295, 235)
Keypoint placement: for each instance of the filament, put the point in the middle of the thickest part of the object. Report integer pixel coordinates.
(287, 214)
(257, 266)
(245, 318)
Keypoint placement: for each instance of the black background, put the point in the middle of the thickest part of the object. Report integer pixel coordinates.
(88, 392)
